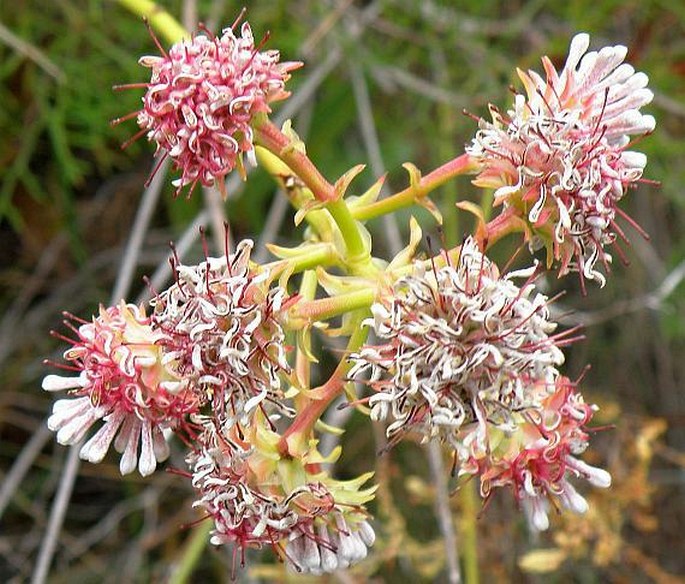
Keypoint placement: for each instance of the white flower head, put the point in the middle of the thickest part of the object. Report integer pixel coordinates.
(458, 345)
(223, 334)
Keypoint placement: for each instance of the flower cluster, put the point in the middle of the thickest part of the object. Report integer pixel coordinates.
(461, 344)
(559, 160)
(209, 360)
(467, 358)
(202, 98)
(256, 498)
(221, 333)
(537, 460)
(464, 354)
(213, 340)
(124, 381)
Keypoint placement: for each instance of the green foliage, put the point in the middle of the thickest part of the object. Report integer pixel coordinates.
(58, 125)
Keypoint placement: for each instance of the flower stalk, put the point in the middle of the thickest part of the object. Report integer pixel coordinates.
(312, 256)
(415, 193)
(298, 194)
(305, 313)
(268, 136)
(293, 439)
(283, 147)
(160, 20)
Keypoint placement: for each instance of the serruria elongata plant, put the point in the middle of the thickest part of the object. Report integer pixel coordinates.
(465, 353)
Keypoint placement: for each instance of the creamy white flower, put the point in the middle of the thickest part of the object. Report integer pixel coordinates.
(223, 335)
(458, 344)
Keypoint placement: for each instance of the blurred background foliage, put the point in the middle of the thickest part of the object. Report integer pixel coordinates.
(68, 196)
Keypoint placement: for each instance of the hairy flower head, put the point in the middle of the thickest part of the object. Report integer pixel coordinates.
(122, 380)
(539, 457)
(202, 98)
(459, 344)
(257, 498)
(222, 333)
(559, 158)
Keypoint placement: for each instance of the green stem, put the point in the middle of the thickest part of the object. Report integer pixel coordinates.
(159, 19)
(469, 546)
(358, 255)
(298, 194)
(192, 552)
(413, 193)
(304, 313)
(318, 254)
(268, 136)
(298, 433)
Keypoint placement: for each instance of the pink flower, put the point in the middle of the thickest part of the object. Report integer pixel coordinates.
(202, 98)
(540, 457)
(256, 498)
(244, 514)
(559, 159)
(459, 345)
(121, 381)
(222, 334)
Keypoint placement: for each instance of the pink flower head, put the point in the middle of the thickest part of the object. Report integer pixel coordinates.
(537, 460)
(121, 380)
(244, 514)
(255, 499)
(202, 98)
(559, 159)
(460, 344)
(222, 334)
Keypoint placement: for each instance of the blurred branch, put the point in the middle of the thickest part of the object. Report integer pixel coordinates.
(395, 76)
(373, 149)
(110, 522)
(57, 513)
(141, 223)
(32, 53)
(11, 482)
(669, 104)
(443, 511)
(653, 301)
